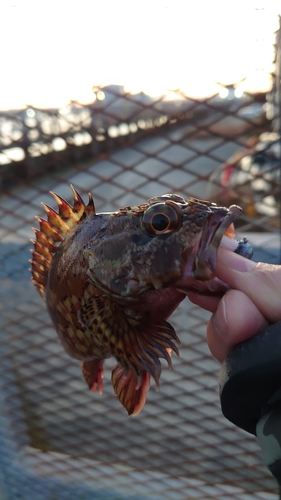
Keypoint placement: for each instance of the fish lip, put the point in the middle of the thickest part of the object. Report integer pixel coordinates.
(206, 260)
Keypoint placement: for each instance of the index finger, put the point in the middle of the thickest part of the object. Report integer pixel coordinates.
(261, 282)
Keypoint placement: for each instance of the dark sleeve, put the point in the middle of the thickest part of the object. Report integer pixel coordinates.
(250, 378)
(250, 392)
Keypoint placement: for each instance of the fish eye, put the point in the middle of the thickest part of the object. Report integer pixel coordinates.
(160, 222)
(161, 218)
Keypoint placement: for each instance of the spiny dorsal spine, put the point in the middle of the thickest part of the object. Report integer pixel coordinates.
(52, 232)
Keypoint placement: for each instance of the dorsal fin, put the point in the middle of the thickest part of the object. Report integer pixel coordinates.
(90, 208)
(78, 205)
(52, 232)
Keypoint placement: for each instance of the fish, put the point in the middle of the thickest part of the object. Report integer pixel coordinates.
(112, 279)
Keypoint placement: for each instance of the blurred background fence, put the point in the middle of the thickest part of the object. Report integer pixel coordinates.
(57, 440)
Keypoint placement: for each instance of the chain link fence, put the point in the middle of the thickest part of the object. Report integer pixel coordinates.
(59, 441)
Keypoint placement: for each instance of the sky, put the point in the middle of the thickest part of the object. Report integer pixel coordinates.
(57, 50)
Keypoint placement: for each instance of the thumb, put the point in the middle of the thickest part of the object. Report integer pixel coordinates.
(259, 281)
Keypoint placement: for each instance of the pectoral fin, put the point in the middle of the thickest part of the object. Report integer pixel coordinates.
(130, 389)
(93, 374)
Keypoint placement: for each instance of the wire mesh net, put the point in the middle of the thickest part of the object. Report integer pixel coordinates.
(57, 439)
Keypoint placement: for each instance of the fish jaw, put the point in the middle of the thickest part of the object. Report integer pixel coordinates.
(206, 260)
(199, 272)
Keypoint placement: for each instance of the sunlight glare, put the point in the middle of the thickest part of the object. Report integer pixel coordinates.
(223, 93)
(238, 92)
(62, 53)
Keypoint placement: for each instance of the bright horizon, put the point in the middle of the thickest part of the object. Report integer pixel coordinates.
(53, 52)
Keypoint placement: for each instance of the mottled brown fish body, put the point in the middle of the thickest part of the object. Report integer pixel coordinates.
(111, 280)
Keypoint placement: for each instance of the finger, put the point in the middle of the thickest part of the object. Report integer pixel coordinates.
(237, 318)
(259, 281)
(206, 302)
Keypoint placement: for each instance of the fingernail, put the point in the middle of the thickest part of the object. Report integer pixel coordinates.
(234, 261)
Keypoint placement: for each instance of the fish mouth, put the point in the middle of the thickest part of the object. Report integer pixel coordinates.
(217, 226)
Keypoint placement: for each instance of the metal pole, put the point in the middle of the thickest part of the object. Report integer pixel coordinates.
(278, 105)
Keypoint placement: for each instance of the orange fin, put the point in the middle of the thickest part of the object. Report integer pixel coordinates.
(93, 374)
(142, 349)
(52, 232)
(130, 389)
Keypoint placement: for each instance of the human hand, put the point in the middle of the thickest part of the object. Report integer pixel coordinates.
(253, 302)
